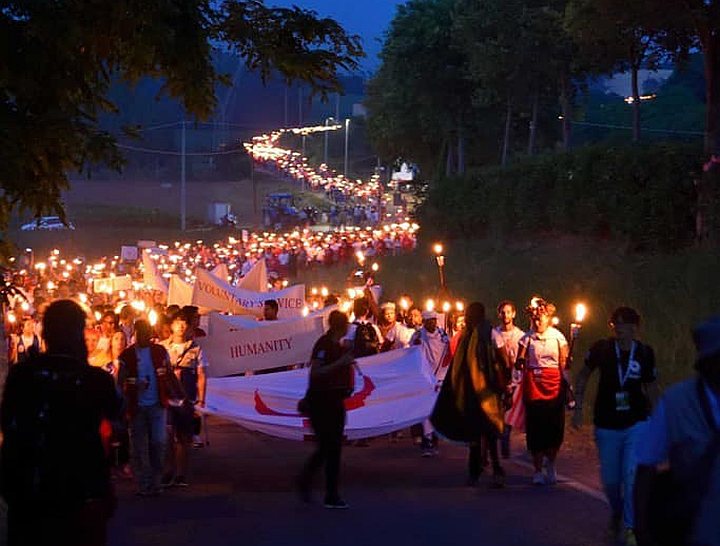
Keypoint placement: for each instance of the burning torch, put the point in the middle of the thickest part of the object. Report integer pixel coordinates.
(575, 327)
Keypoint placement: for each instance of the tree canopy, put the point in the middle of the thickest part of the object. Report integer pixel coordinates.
(518, 66)
(59, 60)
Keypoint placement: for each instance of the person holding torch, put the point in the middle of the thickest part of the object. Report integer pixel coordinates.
(622, 405)
(542, 355)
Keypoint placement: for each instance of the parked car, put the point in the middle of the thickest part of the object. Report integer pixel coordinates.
(49, 223)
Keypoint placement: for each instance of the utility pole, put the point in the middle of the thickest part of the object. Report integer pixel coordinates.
(254, 185)
(325, 149)
(183, 192)
(347, 141)
(337, 106)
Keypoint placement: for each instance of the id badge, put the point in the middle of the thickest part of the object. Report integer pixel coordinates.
(622, 401)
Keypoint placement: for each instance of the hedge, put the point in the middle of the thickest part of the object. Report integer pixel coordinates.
(644, 194)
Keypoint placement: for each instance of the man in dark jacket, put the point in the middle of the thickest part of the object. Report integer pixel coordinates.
(55, 475)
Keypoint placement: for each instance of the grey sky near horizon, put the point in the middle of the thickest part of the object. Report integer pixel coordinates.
(367, 18)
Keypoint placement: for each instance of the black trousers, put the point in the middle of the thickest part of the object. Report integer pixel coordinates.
(327, 417)
(489, 444)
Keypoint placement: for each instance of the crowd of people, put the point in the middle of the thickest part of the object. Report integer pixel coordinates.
(104, 377)
(493, 379)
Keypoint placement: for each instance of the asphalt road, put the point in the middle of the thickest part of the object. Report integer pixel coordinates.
(241, 493)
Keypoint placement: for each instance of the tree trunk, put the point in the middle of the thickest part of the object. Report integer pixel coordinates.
(506, 136)
(533, 124)
(636, 102)
(460, 150)
(566, 108)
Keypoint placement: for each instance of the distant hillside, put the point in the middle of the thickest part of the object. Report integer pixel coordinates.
(248, 102)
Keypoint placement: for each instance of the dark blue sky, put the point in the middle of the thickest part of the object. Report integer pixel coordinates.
(368, 18)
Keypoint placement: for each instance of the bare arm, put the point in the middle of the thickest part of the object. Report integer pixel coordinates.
(580, 384)
(202, 386)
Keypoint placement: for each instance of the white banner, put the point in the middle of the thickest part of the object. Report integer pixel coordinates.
(213, 293)
(237, 344)
(180, 292)
(221, 271)
(256, 279)
(108, 285)
(394, 392)
(151, 275)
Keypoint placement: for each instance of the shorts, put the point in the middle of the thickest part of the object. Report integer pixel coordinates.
(180, 418)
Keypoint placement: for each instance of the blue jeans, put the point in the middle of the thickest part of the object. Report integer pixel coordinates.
(618, 461)
(148, 437)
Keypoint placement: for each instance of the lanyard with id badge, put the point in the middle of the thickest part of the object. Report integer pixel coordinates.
(622, 397)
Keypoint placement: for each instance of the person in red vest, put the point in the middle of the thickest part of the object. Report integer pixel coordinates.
(542, 355)
(149, 386)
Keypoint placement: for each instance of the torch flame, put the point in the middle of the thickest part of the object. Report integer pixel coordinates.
(438, 248)
(580, 312)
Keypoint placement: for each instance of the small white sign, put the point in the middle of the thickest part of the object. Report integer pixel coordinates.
(129, 253)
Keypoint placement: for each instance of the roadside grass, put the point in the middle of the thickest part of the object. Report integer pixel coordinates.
(672, 292)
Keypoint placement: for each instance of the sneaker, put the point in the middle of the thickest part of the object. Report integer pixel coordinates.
(612, 533)
(336, 504)
(551, 474)
(629, 538)
(538, 478)
(181, 481)
(426, 447)
(152, 492)
(498, 479)
(167, 480)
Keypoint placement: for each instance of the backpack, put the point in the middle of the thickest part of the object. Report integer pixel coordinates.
(53, 457)
(366, 341)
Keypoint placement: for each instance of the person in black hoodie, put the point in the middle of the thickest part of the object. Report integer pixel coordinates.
(55, 476)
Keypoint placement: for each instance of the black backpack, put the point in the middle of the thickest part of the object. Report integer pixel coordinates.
(367, 341)
(52, 455)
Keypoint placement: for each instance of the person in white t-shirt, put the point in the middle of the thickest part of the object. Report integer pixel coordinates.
(543, 354)
(189, 365)
(506, 335)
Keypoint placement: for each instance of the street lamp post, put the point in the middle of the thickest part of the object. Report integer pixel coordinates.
(327, 136)
(440, 260)
(183, 182)
(347, 141)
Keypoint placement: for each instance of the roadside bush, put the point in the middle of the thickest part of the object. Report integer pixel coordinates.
(643, 194)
